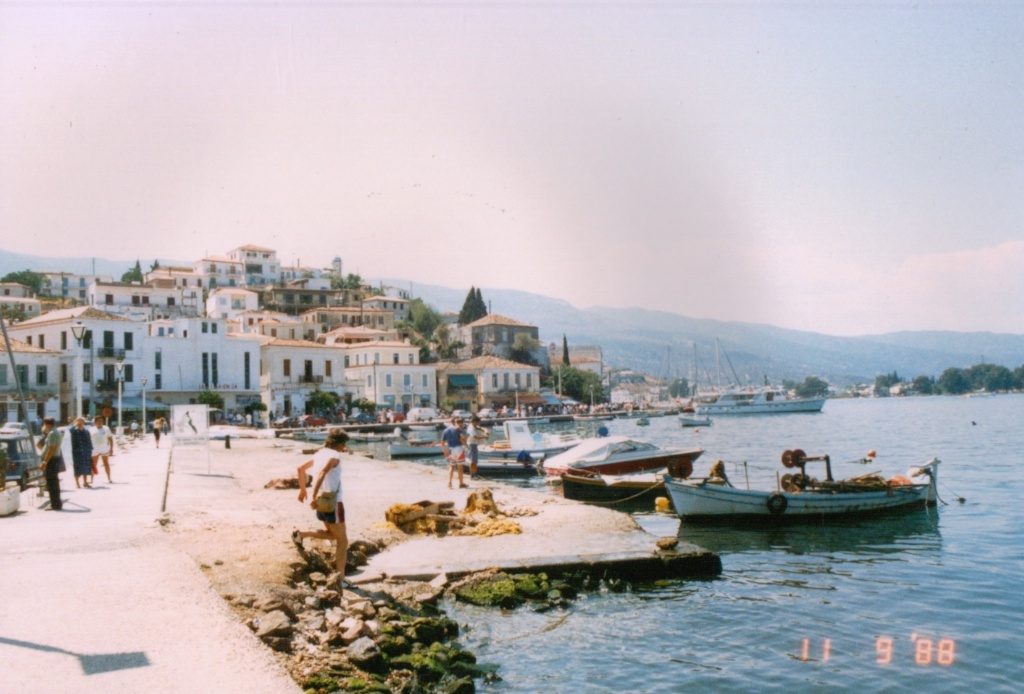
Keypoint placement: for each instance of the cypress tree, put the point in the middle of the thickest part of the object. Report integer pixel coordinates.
(565, 351)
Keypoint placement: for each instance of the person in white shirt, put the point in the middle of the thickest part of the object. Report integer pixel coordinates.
(102, 446)
(326, 468)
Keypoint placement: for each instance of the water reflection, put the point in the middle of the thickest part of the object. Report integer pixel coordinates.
(866, 536)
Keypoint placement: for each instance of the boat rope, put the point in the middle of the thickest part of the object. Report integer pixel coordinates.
(628, 498)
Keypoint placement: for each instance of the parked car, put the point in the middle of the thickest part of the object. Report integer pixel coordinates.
(461, 414)
(312, 420)
(286, 422)
(421, 414)
(22, 457)
(487, 413)
(363, 418)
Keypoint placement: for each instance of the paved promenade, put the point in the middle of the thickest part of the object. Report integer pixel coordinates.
(97, 599)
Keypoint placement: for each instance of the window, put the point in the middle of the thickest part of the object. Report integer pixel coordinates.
(287, 367)
(213, 328)
(248, 383)
(129, 341)
(206, 327)
(206, 369)
(63, 373)
(213, 368)
(529, 381)
(22, 372)
(108, 339)
(108, 299)
(42, 342)
(129, 373)
(158, 360)
(517, 380)
(40, 375)
(135, 300)
(369, 380)
(505, 380)
(170, 301)
(346, 361)
(158, 381)
(376, 357)
(494, 381)
(327, 368)
(424, 380)
(407, 380)
(387, 380)
(63, 339)
(87, 339)
(394, 357)
(3, 374)
(412, 358)
(86, 372)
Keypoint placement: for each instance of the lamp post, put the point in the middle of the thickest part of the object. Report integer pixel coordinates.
(144, 381)
(120, 371)
(78, 332)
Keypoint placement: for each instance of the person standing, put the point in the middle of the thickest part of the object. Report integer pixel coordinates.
(102, 446)
(81, 452)
(475, 434)
(51, 443)
(327, 466)
(453, 441)
(158, 428)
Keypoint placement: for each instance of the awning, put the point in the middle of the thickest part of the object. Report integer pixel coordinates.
(461, 381)
(524, 399)
(134, 403)
(551, 400)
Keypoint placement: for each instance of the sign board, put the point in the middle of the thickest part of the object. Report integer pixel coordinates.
(190, 425)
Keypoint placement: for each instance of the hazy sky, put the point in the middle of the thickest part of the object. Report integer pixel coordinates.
(844, 168)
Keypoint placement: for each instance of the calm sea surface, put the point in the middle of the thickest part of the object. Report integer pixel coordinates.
(930, 602)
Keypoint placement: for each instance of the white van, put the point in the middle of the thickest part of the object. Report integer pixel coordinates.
(421, 414)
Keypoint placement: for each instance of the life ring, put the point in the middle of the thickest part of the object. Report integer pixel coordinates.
(777, 504)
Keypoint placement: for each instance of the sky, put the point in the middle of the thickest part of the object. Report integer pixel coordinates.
(845, 168)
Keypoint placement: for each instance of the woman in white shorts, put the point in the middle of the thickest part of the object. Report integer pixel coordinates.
(102, 447)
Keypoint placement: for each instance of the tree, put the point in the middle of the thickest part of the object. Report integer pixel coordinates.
(578, 385)
(923, 385)
(155, 266)
(523, 348)
(423, 318)
(954, 382)
(884, 382)
(32, 280)
(321, 401)
(679, 388)
(989, 377)
(473, 308)
(12, 313)
(812, 387)
(211, 398)
(565, 351)
(447, 346)
(133, 275)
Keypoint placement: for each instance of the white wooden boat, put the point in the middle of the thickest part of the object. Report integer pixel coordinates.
(800, 498)
(691, 420)
(414, 450)
(766, 400)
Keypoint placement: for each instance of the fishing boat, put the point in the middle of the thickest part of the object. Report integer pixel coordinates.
(765, 400)
(799, 497)
(519, 438)
(625, 491)
(643, 422)
(530, 467)
(620, 455)
(410, 449)
(597, 417)
(691, 420)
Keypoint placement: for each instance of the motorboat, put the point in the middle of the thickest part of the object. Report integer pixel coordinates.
(763, 400)
(412, 449)
(798, 497)
(620, 455)
(692, 420)
(519, 438)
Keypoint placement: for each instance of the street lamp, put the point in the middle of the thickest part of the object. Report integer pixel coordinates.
(144, 381)
(78, 332)
(120, 370)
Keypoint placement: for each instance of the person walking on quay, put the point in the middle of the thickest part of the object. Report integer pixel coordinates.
(475, 434)
(452, 441)
(52, 462)
(326, 466)
(158, 428)
(81, 452)
(102, 446)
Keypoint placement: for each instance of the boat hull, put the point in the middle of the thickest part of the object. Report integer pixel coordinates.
(696, 500)
(620, 494)
(498, 469)
(397, 450)
(729, 407)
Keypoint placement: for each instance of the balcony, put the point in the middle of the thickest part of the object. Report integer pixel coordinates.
(307, 378)
(110, 353)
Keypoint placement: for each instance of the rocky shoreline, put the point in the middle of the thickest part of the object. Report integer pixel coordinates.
(386, 634)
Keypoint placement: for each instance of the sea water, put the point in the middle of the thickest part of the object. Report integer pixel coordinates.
(925, 602)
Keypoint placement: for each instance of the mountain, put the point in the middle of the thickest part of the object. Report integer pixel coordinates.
(663, 344)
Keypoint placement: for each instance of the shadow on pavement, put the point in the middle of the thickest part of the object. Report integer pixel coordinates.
(91, 664)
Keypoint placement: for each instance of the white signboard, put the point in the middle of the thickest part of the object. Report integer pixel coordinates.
(190, 425)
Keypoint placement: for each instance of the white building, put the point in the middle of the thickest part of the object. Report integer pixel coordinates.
(229, 302)
(488, 381)
(399, 307)
(175, 276)
(390, 373)
(141, 302)
(38, 371)
(259, 265)
(220, 271)
(30, 308)
(68, 285)
(107, 340)
(292, 369)
(186, 356)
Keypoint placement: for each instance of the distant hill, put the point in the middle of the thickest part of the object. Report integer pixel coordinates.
(662, 343)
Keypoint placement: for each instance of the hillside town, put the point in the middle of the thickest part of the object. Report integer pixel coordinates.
(265, 342)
